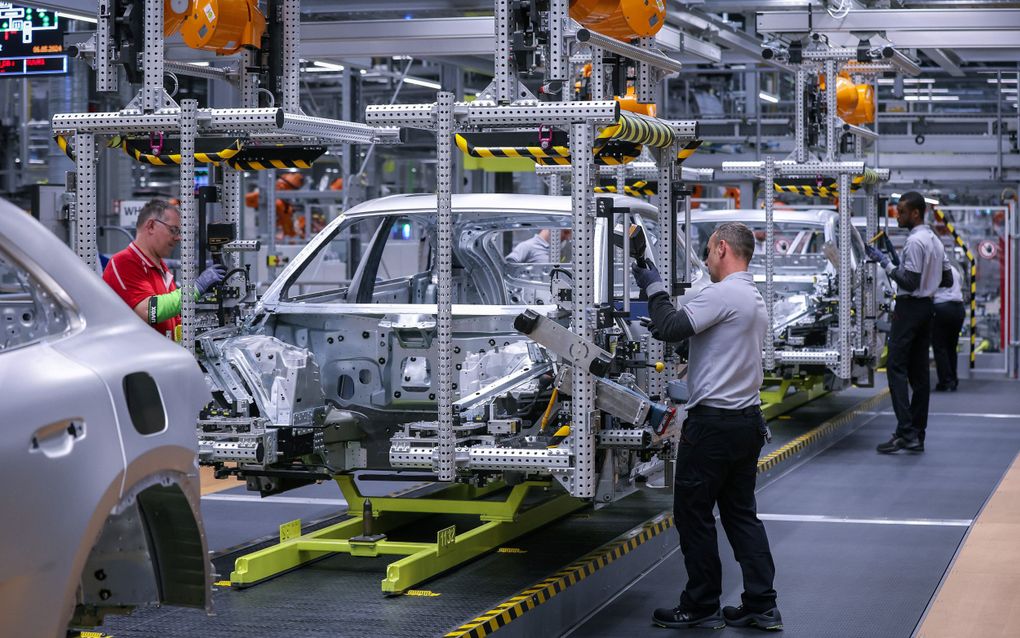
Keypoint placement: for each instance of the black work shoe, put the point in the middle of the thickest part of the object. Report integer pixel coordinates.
(677, 618)
(770, 620)
(941, 387)
(897, 443)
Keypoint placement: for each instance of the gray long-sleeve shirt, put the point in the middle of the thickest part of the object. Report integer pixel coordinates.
(922, 265)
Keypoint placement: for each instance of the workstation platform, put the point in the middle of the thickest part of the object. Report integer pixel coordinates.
(861, 541)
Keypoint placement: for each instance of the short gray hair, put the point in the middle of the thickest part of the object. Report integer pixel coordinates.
(739, 238)
(153, 208)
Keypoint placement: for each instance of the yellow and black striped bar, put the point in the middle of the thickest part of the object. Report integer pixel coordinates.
(633, 187)
(822, 187)
(134, 147)
(687, 151)
(556, 154)
(261, 158)
(638, 129)
(973, 281)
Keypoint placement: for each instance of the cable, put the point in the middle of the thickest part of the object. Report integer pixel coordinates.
(548, 409)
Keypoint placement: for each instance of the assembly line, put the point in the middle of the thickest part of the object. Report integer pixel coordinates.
(441, 318)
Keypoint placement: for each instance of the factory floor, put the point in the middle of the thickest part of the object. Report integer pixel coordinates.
(864, 544)
(881, 545)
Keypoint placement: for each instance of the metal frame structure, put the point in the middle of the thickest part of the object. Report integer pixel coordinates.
(861, 344)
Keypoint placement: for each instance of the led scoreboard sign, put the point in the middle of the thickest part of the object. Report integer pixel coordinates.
(31, 41)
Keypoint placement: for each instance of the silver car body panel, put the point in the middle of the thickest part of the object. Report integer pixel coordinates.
(75, 455)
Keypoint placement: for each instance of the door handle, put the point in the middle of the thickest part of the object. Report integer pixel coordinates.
(57, 439)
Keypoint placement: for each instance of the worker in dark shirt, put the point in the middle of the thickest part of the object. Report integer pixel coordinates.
(717, 458)
(923, 269)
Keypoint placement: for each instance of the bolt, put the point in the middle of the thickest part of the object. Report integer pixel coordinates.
(100, 574)
(396, 395)
(432, 397)
(364, 335)
(104, 594)
(382, 360)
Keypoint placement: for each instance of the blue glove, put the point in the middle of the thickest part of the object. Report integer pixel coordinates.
(209, 277)
(645, 276)
(877, 255)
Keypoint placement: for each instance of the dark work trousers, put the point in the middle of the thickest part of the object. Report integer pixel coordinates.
(907, 366)
(717, 463)
(945, 336)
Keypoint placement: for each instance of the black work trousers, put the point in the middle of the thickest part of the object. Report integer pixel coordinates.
(945, 336)
(907, 366)
(717, 463)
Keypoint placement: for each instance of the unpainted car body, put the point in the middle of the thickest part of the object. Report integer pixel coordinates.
(101, 498)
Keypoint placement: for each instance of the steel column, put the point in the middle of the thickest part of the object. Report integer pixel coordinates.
(106, 73)
(83, 216)
(291, 56)
(770, 258)
(446, 469)
(152, 88)
(583, 391)
(557, 68)
(800, 133)
(831, 145)
(506, 83)
(189, 221)
(845, 273)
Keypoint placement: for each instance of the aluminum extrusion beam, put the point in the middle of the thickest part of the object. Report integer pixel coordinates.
(189, 220)
(769, 362)
(417, 38)
(788, 167)
(933, 21)
(473, 114)
(939, 57)
(195, 71)
(673, 39)
(648, 56)
(445, 466)
(859, 131)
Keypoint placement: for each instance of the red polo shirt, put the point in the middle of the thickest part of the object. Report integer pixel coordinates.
(135, 277)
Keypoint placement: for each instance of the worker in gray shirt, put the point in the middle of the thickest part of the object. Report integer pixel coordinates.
(717, 458)
(922, 270)
(945, 332)
(535, 250)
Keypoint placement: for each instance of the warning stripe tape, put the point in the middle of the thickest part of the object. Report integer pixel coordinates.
(973, 282)
(797, 445)
(687, 151)
(828, 190)
(543, 591)
(557, 583)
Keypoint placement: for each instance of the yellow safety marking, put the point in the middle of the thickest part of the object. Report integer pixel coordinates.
(423, 593)
(93, 634)
(222, 583)
(511, 550)
(687, 151)
(290, 530)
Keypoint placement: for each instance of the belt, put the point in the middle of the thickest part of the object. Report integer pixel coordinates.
(707, 410)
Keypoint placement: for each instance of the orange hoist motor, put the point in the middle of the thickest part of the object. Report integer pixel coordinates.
(855, 103)
(223, 26)
(629, 102)
(621, 19)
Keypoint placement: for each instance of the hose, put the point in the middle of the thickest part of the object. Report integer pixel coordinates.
(548, 409)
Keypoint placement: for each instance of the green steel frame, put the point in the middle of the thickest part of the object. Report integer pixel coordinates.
(503, 520)
(776, 398)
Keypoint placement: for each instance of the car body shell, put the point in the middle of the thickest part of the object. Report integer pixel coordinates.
(91, 488)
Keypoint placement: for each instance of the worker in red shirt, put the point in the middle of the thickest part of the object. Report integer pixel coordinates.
(140, 276)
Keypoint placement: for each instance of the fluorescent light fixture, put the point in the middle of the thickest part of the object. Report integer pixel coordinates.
(318, 69)
(933, 202)
(77, 16)
(329, 66)
(768, 97)
(894, 195)
(426, 83)
(925, 90)
(1004, 81)
(891, 81)
(401, 57)
(931, 98)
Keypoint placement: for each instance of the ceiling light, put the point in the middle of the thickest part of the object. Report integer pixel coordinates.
(77, 16)
(426, 83)
(933, 202)
(1003, 81)
(931, 98)
(925, 90)
(329, 66)
(891, 81)
(768, 97)
(894, 196)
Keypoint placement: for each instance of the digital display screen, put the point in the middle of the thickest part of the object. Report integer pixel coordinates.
(31, 41)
